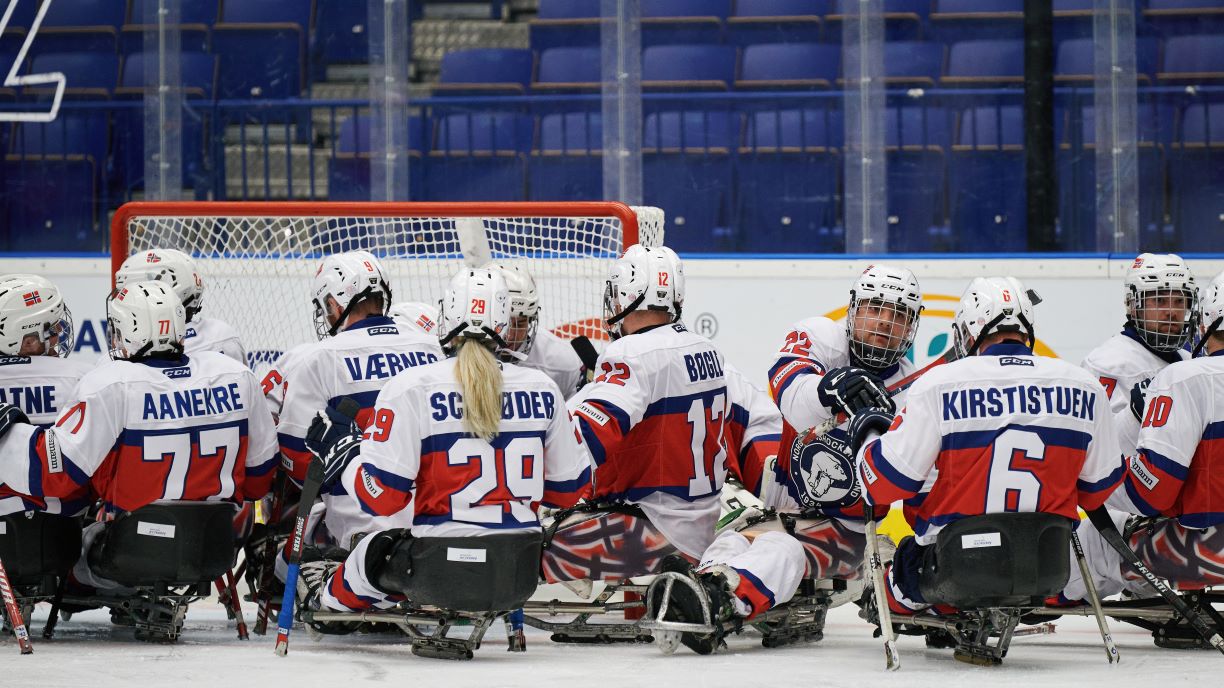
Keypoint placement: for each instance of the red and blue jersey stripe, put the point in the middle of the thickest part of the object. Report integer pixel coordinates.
(293, 448)
(787, 369)
(1193, 495)
(656, 454)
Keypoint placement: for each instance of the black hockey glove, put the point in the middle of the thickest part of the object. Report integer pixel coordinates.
(9, 416)
(1137, 399)
(335, 440)
(865, 422)
(850, 390)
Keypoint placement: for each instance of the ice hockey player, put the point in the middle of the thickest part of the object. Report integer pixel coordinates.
(538, 348)
(1005, 429)
(1161, 300)
(466, 447)
(152, 424)
(179, 271)
(360, 350)
(415, 315)
(824, 368)
(654, 420)
(36, 337)
(1174, 476)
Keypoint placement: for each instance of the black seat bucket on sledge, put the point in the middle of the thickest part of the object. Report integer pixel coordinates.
(34, 545)
(490, 573)
(168, 543)
(998, 560)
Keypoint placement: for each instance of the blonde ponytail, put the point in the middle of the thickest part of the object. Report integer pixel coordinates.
(480, 378)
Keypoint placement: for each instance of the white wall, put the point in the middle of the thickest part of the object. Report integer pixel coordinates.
(747, 305)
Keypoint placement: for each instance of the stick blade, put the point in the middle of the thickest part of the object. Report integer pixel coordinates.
(892, 658)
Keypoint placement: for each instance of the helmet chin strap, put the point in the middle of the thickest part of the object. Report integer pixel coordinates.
(1211, 330)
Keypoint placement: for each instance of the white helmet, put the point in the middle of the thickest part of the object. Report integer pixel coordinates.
(348, 278)
(476, 306)
(989, 305)
(891, 297)
(645, 278)
(1154, 275)
(415, 315)
(170, 266)
(1211, 311)
(145, 320)
(32, 305)
(524, 303)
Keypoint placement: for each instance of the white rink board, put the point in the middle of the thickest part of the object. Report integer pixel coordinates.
(747, 305)
(88, 652)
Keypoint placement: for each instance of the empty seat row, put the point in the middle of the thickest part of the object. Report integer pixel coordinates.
(977, 63)
(743, 22)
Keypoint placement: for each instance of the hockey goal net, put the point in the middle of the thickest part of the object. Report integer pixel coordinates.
(258, 260)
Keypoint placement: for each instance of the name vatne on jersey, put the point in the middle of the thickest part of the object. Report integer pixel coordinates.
(189, 403)
(1037, 400)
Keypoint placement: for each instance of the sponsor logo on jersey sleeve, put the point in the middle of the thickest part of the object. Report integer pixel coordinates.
(1141, 472)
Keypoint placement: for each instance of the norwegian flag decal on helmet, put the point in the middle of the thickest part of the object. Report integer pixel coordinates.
(31, 298)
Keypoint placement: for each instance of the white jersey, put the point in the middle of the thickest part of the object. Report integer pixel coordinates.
(273, 382)
(355, 364)
(1179, 468)
(654, 421)
(210, 334)
(752, 436)
(1007, 430)
(556, 358)
(419, 453)
(1120, 363)
(41, 386)
(193, 429)
(813, 347)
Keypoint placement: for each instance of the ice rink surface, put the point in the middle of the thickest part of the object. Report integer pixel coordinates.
(88, 652)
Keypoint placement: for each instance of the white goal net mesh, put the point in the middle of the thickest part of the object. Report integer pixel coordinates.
(258, 268)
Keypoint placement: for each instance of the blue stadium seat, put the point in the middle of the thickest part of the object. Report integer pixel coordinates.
(916, 139)
(75, 132)
(1180, 17)
(1196, 59)
(985, 63)
(971, 20)
(985, 174)
(341, 31)
(349, 173)
(92, 75)
(53, 200)
(1074, 61)
(86, 25)
(912, 63)
(567, 164)
(776, 21)
(271, 34)
(486, 70)
(195, 21)
(197, 70)
(198, 76)
(666, 22)
(695, 67)
(903, 19)
(789, 65)
(1072, 19)
(686, 168)
(479, 156)
(1077, 177)
(569, 68)
(788, 169)
(564, 23)
(1196, 179)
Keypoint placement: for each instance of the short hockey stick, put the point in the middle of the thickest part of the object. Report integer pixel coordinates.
(14, 613)
(266, 573)
(1100, 518)
(1111, 650)
(310, 492)
(892, 658)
